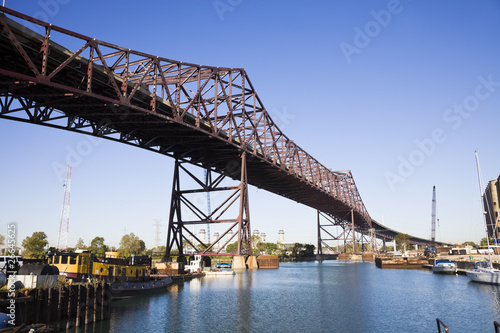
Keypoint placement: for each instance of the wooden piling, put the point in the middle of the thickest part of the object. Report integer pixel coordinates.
(72, 306)
(59, 308)
(47, 304)
(30, 307)
(81, 305)
(98, 302)
(106, 297)
(64, 307)
(38, 300)
(89, 304)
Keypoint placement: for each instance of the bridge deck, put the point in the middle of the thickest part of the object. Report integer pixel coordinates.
(202, 114)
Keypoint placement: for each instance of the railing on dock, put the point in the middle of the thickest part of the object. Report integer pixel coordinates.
(441, 324)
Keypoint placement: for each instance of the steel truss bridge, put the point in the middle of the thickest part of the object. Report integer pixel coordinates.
(207, 116)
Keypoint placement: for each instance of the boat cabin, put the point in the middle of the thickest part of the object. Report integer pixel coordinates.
(82, 264)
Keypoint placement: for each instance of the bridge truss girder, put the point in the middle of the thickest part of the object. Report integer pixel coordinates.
(195, 113)
(203, 114)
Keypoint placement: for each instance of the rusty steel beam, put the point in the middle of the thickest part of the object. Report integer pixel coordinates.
(182, 199)
(201, 114)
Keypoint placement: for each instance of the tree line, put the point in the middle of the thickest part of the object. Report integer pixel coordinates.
(35, 246)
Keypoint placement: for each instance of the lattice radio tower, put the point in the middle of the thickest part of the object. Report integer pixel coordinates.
(62, 239)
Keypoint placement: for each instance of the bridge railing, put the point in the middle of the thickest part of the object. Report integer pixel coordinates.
(216, 100)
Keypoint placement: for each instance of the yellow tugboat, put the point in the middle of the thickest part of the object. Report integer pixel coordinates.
(128, 276)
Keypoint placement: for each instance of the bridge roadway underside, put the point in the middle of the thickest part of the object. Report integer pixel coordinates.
(382, 231)
(177, 140)
(62, 102)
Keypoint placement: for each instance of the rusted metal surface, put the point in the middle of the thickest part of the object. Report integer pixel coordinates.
(238, 227)
(268, 261)
(199, 114)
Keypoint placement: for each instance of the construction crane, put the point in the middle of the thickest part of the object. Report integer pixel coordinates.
(62, 239)
(433, 228)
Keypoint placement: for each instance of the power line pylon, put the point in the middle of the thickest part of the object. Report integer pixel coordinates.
(62, 239)
(157, 232)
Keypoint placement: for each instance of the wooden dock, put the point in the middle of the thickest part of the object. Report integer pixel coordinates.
(60, 308)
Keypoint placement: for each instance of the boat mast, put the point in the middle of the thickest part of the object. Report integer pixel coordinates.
(480, 182)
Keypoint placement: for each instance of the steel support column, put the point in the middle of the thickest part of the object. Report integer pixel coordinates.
(349, 235)
(353, 232)
(320, 242)
(326, 233)
(182, 200)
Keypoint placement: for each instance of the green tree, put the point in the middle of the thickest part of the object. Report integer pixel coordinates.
(34, 246)
(80, 244)
(158, 251)
(295, 250)
(469, 243)
(98, 247)
(308, 251)
(267, 248)
(131, 244)
(200, 247)
(403, 240)
(232, 248)
(484, 242)
(256, 241)
(2, 243)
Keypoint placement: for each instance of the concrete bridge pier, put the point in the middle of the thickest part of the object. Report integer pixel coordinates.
(239, 263)
(252, 262)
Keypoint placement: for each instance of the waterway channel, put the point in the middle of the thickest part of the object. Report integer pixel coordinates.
(328, 296)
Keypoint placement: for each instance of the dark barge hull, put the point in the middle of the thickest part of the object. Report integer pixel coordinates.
(401, 263)
(124, 290)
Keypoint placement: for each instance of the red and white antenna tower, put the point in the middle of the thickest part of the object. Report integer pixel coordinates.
(62, 239)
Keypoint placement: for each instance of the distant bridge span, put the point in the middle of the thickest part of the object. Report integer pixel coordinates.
(203, 115)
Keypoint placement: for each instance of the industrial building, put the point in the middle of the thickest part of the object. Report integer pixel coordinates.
(492, 208)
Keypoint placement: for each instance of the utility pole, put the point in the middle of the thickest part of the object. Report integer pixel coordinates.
(433, 229)
(62, 239)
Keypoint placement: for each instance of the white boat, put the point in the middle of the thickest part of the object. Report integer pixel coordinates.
(218, 272)
(195, 265)
(484, 272)
(444, 266)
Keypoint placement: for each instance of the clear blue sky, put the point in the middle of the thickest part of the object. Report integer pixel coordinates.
(399, 92)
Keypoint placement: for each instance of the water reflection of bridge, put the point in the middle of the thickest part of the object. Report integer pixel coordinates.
(210, 117)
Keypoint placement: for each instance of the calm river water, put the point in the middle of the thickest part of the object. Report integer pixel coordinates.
(328, 296)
